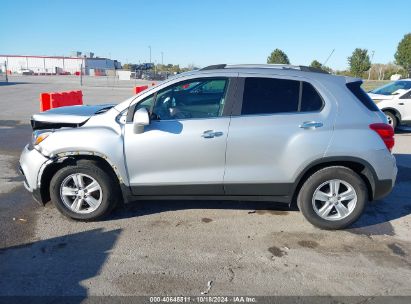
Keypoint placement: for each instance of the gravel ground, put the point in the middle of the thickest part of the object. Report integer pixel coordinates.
(177, 247)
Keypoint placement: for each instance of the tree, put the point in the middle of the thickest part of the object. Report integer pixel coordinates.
(128, 66)
(403, 54)
(359, 62)
(318, 65)
(278, 56)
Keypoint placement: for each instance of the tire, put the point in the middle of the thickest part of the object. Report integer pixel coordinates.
(350, 185)
(392, 119)
(103, 193)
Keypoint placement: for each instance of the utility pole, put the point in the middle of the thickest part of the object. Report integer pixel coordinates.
(7, 76)
(369, 71)
(150, 52)
(81, 74)
(162, 57)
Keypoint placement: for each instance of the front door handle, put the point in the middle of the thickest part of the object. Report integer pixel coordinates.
(311, 125)
(401, 103)
(211, 134)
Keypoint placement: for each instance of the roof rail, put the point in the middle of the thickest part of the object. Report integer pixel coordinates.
(313, 70)
(266, 66)
(214, 67)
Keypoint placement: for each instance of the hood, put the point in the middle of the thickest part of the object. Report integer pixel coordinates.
(380, 96)
(72, 116)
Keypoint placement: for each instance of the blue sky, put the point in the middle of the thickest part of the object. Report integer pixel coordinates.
(205, 32)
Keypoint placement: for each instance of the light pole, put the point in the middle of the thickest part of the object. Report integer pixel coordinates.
(162, 57)
(369, 71)
(150, 52)
(5, 67)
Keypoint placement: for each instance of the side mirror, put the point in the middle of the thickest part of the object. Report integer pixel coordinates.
(141, 118)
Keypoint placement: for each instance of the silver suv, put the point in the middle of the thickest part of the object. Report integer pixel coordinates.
(242, 132)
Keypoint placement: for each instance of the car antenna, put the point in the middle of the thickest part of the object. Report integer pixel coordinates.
(329, 56)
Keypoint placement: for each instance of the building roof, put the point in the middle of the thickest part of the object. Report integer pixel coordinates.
(55, 57)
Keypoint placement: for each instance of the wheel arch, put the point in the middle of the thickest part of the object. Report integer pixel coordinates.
(394, 111)
(62, 160)
(358, 165)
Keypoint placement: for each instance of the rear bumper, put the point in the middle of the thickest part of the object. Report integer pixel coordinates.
(383, 188)
(385, 172)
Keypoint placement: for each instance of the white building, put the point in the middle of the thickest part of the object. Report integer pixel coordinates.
(58, 65)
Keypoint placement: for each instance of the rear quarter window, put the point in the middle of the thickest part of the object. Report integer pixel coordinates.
(355, 88)
(310, 99)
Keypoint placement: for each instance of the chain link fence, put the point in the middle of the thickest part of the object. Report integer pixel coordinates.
(77, 72)
(88, 78)
(120, 78)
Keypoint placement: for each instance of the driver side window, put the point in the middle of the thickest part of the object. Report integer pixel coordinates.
(199, 98)
(147, 103)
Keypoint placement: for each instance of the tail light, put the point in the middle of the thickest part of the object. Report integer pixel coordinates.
(386, 132)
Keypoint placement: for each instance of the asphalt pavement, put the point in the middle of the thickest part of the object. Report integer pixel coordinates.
(178, 247)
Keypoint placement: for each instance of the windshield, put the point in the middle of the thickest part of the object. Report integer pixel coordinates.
(390, 88)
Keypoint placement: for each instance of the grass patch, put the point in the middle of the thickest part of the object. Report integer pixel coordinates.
(369, 85)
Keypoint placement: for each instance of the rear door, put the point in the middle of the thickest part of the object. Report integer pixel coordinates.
(281, 126)
(404, 106)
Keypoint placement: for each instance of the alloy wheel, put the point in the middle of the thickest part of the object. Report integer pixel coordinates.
(81, 193)
(334, 200)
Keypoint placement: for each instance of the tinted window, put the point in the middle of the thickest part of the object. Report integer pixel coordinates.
(355, 88)
(268, 96)
(310, 99)
(200, 98)
(406, 96)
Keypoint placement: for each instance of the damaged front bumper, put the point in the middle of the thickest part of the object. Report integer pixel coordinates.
(31, 164)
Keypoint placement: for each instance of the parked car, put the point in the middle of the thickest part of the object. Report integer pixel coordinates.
(394, 99)
(242, 132)
(25, 72)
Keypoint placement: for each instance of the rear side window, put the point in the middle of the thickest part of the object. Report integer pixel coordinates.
(355, 88)
(271, 96)
(310, 99)
(406, 96)
(268, 96)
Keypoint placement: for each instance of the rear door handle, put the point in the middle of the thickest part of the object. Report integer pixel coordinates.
(401, 103)
(211, 134)
(311, 125)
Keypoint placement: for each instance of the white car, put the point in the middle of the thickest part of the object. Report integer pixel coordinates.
(394, 99)
(25, 72)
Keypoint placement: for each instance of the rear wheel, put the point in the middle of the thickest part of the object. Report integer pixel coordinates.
(392, 119)
(333, 197)
(83, 191)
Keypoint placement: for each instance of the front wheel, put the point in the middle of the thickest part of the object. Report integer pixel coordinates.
(333, 197)
(83, 191)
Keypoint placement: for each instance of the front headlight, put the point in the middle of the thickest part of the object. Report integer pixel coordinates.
(377, 101)
(39, 136)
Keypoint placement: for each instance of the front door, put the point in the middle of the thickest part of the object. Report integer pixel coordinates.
(182, 151)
